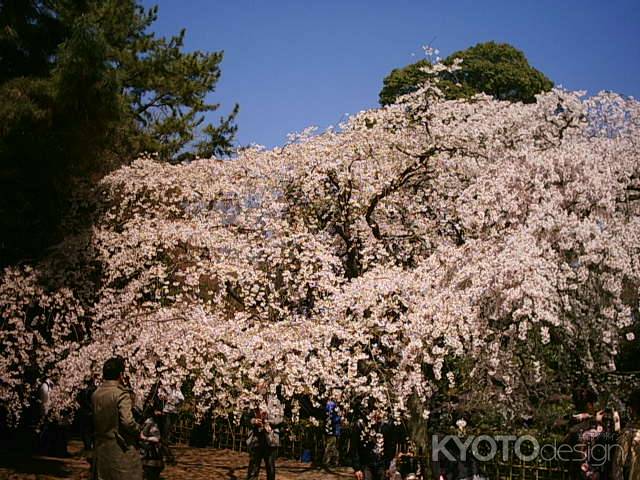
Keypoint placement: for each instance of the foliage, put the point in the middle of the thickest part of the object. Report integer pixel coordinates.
(497, 69)
(428, 258)
(83, 87)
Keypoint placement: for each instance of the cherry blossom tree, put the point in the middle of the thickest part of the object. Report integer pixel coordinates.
(474, 253)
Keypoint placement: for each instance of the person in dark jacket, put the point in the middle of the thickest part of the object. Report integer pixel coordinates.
(454, 460)
(453, 465)
(583, 435)
(85, 413)
(373, 449)
(150, 448)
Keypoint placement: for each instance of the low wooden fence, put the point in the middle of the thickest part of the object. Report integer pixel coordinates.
(516, 469)
(298, 440)
(294, 439)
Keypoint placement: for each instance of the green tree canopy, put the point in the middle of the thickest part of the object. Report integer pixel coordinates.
(497, 69)
(84, 87)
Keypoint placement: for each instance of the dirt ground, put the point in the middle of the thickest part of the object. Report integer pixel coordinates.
(192, 464)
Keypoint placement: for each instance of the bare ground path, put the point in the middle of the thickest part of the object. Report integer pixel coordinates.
(192, 464)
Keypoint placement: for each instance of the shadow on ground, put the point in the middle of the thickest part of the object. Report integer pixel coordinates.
(192, 464)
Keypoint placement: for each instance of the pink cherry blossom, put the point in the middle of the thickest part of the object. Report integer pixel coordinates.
(417, 249)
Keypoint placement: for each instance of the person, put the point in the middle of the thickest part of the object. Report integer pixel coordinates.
(116, 432)
(452, 463)
(153, 402)
(44, 429)
(407, 465)
(85, 413)
(44, 396)
(626, 459)
(166, 400)
(151, 450)
(171, 397)
(582, 433)
(264, 438)
(373, 449)
(458, 467)
(332, 431)
(593, 437)
(53, 435)
(608, 426)
(202, 432)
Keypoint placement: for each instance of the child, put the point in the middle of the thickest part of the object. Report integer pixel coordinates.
(151, 448)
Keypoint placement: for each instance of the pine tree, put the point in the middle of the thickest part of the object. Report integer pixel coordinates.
(84, 87)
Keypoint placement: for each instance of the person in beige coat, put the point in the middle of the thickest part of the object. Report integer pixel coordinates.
(116, 432)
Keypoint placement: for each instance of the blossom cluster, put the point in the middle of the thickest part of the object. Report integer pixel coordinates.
(420, 251)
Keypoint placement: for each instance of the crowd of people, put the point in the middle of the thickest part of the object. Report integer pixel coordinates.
(601, 445)
(604, 448)
(124, 449)
(132, 446)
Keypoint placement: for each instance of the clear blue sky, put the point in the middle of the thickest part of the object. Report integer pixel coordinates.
(295, 63)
